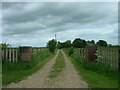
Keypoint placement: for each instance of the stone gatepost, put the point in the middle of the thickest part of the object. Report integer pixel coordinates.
(90, 53)
(25, 53)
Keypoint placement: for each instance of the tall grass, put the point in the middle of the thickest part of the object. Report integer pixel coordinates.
(95, 66)
(15, 66)
(97, 75)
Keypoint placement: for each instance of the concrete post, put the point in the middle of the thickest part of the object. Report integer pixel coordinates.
(25, 53)
(90, 53)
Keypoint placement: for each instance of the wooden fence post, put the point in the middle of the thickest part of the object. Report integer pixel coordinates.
(0, 56)
(10, 55)
(16, 55)
(119, 58)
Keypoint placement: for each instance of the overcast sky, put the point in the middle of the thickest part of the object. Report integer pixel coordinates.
(34, 24)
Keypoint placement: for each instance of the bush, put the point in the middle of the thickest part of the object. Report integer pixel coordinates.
(52, 45)
(71, 50)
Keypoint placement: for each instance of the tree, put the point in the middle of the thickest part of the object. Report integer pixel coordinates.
(59, 45)
(79, 43)
(67, 44)
(84, 43)
(109, 44)
(91, 42)
(4, 45)
(63, 45)
(52, 45)
(101, 43)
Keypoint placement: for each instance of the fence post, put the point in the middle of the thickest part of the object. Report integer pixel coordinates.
(10, 54)
(0, 56)
(90, 53)
(16, 54)
(119, 58)
(25, 53)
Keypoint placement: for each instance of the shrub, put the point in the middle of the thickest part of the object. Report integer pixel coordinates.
(52, 45)
(71, 50)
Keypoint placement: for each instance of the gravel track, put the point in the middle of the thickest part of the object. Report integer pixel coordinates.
(68, 78)
(36, 80)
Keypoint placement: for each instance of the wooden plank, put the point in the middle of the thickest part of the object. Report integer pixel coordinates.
(6, 56)
(13, 55)
(9, 54)
(16, 55)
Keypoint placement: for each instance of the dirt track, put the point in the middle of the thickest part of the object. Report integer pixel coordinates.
(68, 78)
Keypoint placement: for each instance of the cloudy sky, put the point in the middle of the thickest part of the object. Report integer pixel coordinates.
(28, 23)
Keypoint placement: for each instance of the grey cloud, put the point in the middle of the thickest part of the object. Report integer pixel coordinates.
(28, 18)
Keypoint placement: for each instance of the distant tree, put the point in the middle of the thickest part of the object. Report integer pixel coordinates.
(62, 45)
(59, 45)
(101, 43)
(79, 43)
(52, 45)
(90, 42)
(109, 44)
(4, 45)
(67, 44)
(84, 43)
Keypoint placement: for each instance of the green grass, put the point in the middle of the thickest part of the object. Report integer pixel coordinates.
(94, 78)
(0, 74)
(103, 68)
(17, 71)
(58, 66)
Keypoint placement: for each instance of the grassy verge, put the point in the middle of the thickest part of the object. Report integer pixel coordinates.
(0, 75)
(58, 66)
(94, 78)
(17, 71)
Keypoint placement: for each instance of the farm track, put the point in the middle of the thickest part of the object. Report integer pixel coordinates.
(68, 78)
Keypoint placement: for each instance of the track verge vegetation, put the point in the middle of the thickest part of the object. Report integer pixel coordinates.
(17, 71)
(58, 66)
(94, 78)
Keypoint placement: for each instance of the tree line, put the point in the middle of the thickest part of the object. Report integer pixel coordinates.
(77, 43)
